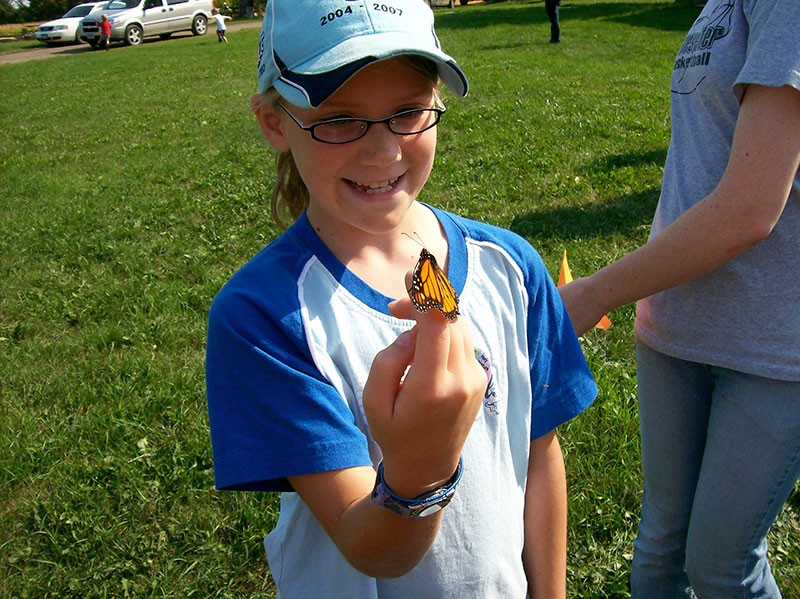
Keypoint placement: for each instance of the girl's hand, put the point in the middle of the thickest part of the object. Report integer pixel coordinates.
(421, 421)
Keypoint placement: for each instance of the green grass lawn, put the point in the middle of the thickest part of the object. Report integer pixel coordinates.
(135, 182)
(9, 47)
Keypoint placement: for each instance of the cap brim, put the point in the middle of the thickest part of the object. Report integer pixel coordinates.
(313, 82)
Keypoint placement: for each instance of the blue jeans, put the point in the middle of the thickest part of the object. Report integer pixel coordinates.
(721, 454)
(551, 6)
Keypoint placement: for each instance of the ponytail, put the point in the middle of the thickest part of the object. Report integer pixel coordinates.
(290, 195)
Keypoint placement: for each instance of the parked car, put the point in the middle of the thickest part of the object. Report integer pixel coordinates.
(65, 29)
(133, 20)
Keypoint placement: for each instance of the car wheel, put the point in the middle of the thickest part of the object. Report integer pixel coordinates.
(133, 35)
(199, 25)
(463, 2)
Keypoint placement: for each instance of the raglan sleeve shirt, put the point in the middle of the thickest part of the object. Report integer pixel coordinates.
(271, 412)
(274, 414)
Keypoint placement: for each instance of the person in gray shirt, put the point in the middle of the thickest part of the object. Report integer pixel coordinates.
(718, 320)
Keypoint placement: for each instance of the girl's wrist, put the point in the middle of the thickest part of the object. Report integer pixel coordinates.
(413, 481)
(419, 506)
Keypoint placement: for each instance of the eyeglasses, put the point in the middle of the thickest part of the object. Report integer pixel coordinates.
(345, 129)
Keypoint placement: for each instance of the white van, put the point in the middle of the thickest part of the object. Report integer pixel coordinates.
(65, 29)
(133, 20)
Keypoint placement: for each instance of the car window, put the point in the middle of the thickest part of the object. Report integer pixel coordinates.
(153, 3)
(171, 2)
(78, 11)
(119, 4)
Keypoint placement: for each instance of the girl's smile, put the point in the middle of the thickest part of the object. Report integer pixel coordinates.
(379, 187)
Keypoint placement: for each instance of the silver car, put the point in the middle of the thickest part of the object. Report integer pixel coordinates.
(133, 20)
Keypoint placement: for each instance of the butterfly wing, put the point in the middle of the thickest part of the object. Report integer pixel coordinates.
(431, 289)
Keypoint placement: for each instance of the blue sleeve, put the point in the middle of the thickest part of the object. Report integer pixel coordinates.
(271, 413)
(562, 385)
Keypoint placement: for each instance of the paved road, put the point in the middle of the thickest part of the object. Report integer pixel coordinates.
(49, 52)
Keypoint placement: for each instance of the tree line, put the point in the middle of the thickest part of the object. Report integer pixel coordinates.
(23, 11)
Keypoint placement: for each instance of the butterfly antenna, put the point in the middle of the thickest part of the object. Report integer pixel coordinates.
(417, 239)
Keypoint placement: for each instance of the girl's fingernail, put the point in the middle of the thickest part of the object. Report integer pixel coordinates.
(405, 339)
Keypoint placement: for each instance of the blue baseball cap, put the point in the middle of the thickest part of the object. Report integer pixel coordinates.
(309, 48)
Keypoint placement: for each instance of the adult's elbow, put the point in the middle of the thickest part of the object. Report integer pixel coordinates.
(746, 239)
(750, 225)
(759, 228)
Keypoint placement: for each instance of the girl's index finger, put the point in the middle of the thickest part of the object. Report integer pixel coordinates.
(434, 338)
(436, 335)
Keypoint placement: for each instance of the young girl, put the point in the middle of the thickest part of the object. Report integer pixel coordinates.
(408, 467)
(718, 351)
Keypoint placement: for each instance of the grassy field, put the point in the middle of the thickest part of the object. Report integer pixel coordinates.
(135, 182)
(9, 47)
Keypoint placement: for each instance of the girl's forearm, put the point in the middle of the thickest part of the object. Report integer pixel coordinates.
(373, 539)
(382, 544)
(544, 556)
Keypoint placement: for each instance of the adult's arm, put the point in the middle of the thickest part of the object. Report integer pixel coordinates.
(739, 213)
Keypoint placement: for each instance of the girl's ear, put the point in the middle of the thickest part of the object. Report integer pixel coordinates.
(270, 122)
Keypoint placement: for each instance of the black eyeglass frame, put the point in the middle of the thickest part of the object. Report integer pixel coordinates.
(439, 111)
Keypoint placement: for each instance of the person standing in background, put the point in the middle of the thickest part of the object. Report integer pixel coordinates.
(718, 351)
(105, 31)
(552, 6)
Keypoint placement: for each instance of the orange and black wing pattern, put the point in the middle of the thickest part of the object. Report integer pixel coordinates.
(431, 289)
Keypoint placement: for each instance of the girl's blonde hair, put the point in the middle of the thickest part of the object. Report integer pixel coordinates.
(290, 195)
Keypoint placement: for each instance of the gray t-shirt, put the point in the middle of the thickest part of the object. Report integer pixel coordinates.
(744, 315)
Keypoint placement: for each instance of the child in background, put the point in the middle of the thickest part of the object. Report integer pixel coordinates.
(105, 31)
(220, 19)
(408, 467)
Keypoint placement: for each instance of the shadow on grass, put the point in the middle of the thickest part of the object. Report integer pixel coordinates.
(74, 49)
(658, 15)
(623, 215)
(653, 157)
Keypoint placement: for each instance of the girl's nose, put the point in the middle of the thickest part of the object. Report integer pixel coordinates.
(380, 146)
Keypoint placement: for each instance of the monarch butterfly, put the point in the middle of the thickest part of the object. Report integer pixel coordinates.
(431, 289)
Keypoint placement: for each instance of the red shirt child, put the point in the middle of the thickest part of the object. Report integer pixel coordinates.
(105, 26)
(105, 32)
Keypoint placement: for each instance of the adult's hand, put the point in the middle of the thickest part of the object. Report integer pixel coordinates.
(584, 310)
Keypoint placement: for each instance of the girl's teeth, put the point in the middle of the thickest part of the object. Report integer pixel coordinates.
(378, 187)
